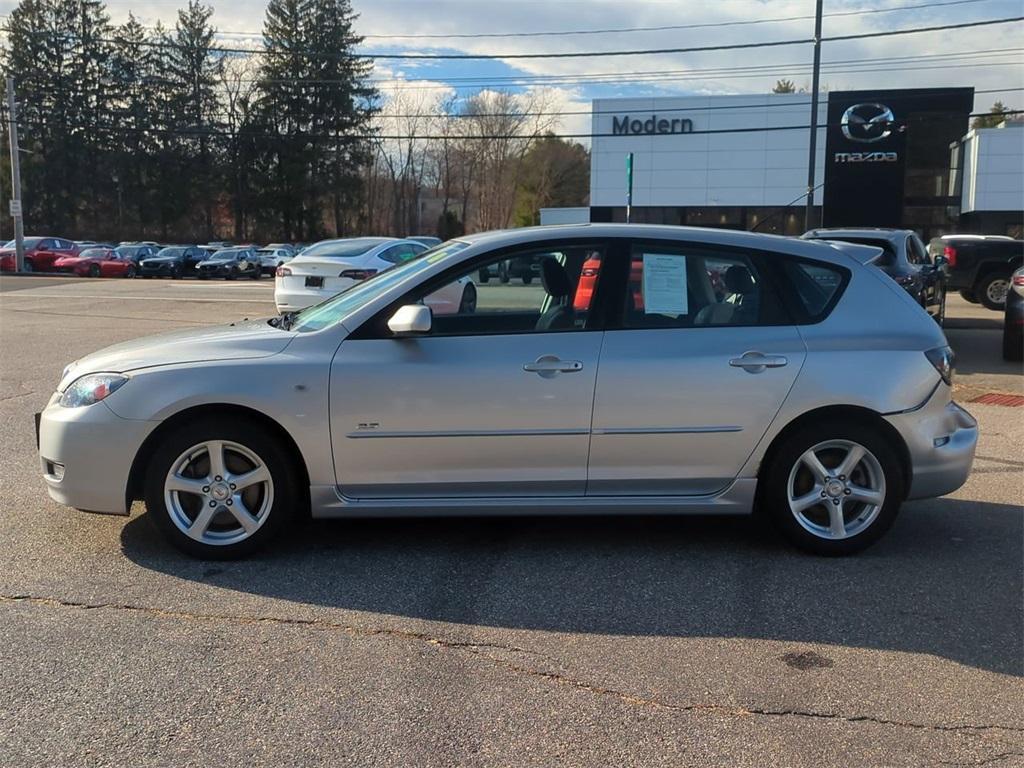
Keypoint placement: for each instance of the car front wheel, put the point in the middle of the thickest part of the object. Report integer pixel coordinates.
(467, 305)
(833, 488)
(220, 488)
(968, 296)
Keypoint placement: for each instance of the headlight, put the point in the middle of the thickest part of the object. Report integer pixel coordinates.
(943, 360)
(91, 388)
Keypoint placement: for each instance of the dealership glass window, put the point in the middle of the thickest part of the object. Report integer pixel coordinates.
(546, 292)
(680, 287)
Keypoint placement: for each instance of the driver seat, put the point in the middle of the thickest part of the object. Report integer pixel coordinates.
(557, 285)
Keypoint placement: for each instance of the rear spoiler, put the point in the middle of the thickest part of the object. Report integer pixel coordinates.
(865, 254)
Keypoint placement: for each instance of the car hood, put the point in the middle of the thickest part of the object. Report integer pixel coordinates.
(161, 259)
(71, 260)
(249, 339)
(215, 262)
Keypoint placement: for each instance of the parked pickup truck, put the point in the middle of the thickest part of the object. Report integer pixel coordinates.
(979, 266)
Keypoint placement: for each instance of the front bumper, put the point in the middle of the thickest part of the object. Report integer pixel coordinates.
(213, 271)
(86, 455)
(158, 270)
(941, 437)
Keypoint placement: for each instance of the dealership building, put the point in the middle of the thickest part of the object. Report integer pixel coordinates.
(886, 158)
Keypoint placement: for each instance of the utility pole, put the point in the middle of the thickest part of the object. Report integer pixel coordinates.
(812, 155)
(19, 231)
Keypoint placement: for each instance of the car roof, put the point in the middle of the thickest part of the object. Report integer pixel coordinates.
(814, 249)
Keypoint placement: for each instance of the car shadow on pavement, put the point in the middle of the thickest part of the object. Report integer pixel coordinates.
(946, 580)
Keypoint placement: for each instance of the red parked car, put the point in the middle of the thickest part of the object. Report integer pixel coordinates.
(40, 253)
(97, 262)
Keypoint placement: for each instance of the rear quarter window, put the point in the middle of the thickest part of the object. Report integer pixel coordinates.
(814, 288)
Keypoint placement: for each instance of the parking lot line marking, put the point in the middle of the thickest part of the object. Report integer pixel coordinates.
(995, 398)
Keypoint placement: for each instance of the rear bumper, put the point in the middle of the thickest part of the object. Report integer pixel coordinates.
(941, 437)
(86, 455)
(291, 293)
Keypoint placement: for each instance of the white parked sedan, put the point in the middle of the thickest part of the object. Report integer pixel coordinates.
(331, 266)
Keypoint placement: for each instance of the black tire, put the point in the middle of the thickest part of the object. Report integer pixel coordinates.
(28, 266)
(988, 284)
(503, 273)
(527, 279)
(1013, 343)
(467, 305)
(257, 273)
(286, 489)
(130, 272)
(94, 270)
(230, 275)
(485, 276)
(967, 295)
(175, 273)
(773, 495)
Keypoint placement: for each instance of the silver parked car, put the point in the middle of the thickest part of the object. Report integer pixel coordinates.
(652, 369)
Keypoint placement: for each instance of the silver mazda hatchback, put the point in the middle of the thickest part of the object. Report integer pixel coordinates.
(651, 370)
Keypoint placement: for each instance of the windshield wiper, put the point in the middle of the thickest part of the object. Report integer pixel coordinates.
(284, 322)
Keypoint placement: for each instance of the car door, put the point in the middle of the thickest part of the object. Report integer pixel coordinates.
(493, 402)
(693, 374)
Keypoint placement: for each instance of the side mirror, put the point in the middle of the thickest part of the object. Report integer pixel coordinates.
(411, 320)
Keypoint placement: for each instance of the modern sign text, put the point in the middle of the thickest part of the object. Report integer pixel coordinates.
(625, 125)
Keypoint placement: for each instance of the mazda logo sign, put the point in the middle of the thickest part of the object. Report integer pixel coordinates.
(867, 123)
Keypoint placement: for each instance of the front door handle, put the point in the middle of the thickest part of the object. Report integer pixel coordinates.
(549, 365)
(756, 362)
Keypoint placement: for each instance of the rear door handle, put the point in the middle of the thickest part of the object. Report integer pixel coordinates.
(756, 362)
(549, 365)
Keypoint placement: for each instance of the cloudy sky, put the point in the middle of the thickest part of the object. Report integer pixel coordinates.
(987, 58)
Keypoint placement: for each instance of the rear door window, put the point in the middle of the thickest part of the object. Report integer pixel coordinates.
(679, 286)
(816, 287)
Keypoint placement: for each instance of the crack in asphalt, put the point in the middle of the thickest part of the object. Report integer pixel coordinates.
(480, 649)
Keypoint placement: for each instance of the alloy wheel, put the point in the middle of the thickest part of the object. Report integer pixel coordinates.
(996, 291)
(218, 492)
(836, 489)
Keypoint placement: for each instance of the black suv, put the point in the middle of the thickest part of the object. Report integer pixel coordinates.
(172, 261)
(979, 266)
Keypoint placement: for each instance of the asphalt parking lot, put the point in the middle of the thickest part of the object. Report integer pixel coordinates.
(584, 641)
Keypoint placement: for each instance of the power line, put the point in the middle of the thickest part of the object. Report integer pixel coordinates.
(618, 30)
(578, 54)
(198, 132)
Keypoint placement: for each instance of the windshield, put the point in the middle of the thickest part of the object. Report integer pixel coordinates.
(334, 309)
(342, 248)
(30, 242)
(128, 250)
(229, 255)
(171, 253)
(94, 253)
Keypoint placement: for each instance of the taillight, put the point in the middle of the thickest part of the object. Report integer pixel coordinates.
(589, 272)
(283, 272)
(950, 253)
(1018, 280)
(358, 274)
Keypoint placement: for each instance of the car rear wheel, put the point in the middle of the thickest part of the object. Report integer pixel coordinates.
(130, 272)
(992, 288)
(220, 488)
(833, 488)
(968, 296)
(175, 273)
(940, 313)
(94, 270)
(527, 279)
(503, 273)
(28, 266)
(257, 273)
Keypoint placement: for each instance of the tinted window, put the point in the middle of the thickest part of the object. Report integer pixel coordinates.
(816, 286)
(343, 248)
